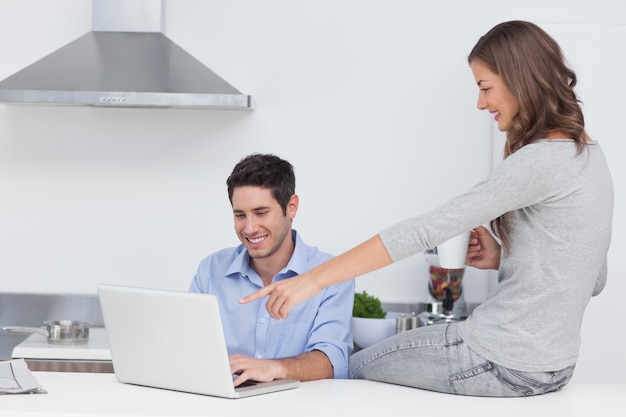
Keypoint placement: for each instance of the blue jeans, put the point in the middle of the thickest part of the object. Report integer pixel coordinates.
(436, 358)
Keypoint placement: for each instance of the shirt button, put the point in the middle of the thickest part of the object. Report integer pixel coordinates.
(263, 320)
(259, 356)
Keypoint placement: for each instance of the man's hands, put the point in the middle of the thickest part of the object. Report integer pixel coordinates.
(306, 367)
(261, 370)
(483, 251)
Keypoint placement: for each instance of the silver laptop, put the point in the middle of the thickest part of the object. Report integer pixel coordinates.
(172, 340)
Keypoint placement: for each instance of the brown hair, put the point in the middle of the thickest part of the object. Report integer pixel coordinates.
(267, 171)
(534, 70)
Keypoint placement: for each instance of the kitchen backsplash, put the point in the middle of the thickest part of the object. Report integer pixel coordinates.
(25, 309)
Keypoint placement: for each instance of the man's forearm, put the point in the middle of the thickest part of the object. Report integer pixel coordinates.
(307, 367)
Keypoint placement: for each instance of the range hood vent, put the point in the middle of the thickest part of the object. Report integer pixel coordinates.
(125, 61)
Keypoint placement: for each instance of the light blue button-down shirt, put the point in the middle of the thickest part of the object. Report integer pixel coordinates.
(321, 323)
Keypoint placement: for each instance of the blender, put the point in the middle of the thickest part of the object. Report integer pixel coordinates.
(445, 285)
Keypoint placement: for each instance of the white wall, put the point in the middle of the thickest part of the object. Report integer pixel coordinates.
(373, 103)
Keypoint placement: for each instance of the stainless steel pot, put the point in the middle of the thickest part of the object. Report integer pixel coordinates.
(58, 332)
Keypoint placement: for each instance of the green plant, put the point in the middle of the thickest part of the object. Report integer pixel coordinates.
(367, 306)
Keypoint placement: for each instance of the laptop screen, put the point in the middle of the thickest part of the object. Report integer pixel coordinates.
(172, 340)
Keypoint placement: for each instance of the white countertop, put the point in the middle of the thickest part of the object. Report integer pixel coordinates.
(36, 346)
(85, 394)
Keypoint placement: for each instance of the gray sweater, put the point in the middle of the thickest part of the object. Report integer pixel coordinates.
(561, 210)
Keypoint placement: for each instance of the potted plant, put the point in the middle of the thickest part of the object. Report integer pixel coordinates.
(369, 322)
(367, 306)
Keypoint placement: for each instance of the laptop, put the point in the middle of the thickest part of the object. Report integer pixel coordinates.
(172, 340)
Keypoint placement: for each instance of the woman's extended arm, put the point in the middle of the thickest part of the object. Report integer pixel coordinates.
(283, 295)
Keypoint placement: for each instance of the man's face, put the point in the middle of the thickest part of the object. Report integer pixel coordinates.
(260, 223)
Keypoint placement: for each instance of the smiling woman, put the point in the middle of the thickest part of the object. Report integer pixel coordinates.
(494, 95)
(531, 200)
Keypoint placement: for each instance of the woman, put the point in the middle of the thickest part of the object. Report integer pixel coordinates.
(549, 203)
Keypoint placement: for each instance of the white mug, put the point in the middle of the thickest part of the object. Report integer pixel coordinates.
(452, 252)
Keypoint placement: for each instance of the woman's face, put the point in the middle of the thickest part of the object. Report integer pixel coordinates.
(494, 95)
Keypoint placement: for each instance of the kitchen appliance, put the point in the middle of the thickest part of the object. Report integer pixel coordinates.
(445, 288)
(124, 61)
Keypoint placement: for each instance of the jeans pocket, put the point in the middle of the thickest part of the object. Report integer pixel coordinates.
(491, 380)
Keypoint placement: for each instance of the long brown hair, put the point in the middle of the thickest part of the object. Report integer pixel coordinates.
(534, 70)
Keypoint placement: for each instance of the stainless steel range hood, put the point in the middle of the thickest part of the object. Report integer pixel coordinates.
(125, 61)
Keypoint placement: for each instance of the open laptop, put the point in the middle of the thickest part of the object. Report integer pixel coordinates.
(172, 340)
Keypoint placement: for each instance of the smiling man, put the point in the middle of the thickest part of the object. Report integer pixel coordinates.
(315, 341)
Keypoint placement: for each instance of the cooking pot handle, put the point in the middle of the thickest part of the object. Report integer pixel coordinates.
(22, 329)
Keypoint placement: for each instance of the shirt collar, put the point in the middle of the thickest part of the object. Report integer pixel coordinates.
(297, 263)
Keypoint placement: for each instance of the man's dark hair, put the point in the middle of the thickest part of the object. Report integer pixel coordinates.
(267, 171)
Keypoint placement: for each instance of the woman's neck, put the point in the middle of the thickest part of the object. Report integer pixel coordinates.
(557, 135)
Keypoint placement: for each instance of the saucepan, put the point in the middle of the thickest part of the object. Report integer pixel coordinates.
(58, 332)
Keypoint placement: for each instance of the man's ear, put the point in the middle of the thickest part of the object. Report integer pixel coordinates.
(292, 206)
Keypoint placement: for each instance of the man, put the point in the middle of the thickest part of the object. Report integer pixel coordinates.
(315, 341)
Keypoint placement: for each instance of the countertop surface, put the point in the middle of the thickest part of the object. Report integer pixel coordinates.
(37, 347)
(86, 394)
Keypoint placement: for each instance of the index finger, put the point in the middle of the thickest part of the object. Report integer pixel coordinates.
(260, 293)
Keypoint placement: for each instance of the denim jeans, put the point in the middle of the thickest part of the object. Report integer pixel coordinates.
(436, 358)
